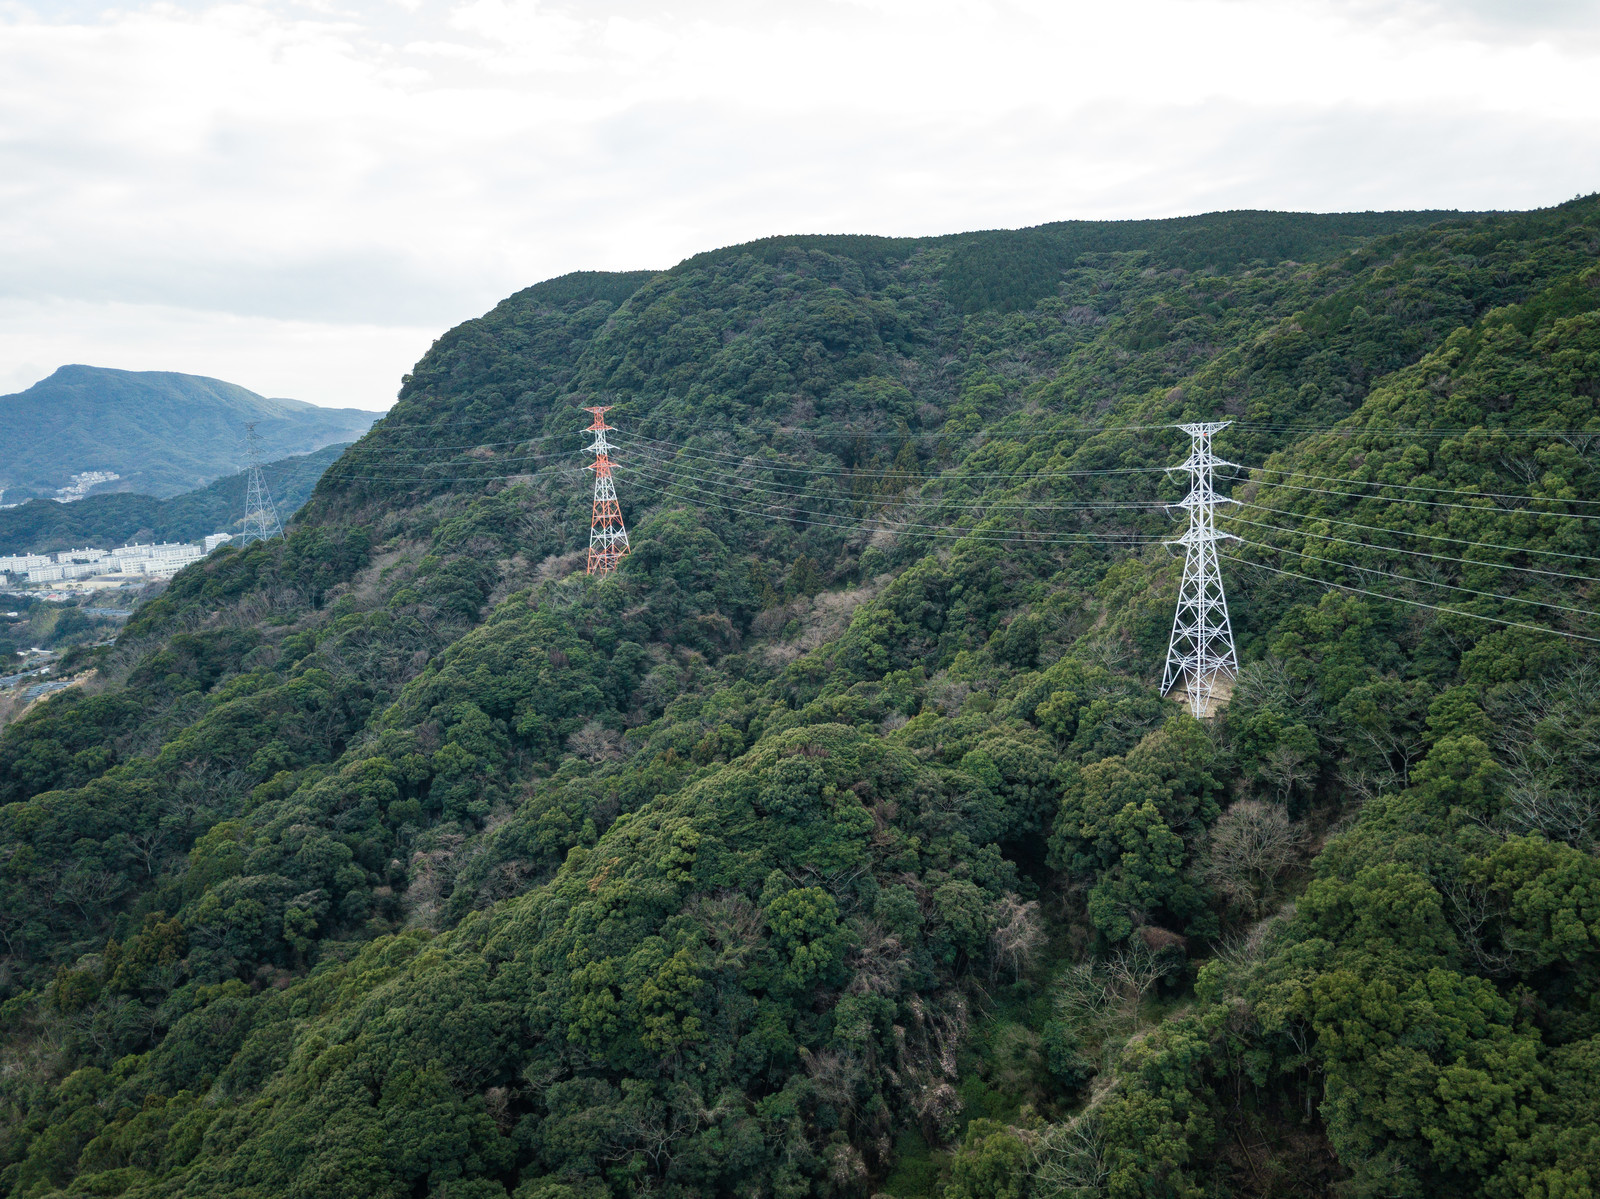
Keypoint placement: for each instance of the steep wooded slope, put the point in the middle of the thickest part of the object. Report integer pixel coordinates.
(830, 846)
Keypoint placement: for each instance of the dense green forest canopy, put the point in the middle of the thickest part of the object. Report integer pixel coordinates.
(840, 844)
(41, 526)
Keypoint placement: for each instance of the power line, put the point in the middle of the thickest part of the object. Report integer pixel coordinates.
(381, 426)
(1391, 549)
(1326, 585)
(1368, 430)
(1494, 495)
(933, 502)
(938, 502)
(1425, 503)
(901, 435)
(665, 483)
(855, 473)
(1513, 599)
(658, 477)
(454, 464)
(476, 445)
(436, 479)
(950, 532)
(751, 459)
(744, 458)
(1487, 545)
(939, 477)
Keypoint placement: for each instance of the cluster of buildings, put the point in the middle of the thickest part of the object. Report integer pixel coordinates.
(159, 561)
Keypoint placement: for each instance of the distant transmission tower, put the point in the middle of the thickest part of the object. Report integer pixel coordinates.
(608, 537)
(1202, 639)
(260, 513)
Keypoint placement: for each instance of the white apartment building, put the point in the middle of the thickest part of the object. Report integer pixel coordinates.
(64, 570)
(21, 563)
(79, 556)
(156, 561)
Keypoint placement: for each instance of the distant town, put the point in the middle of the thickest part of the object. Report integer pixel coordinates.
(92, 568)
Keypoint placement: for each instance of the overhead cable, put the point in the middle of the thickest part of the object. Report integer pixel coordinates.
(1493, 495)
(672, 481)
(1513, 599)
(1389, 549)
(1488, 545)
(1425, 503)
(737, 481)
(1370, 430)
(945, 531)
(1336, 586)
(939, 477)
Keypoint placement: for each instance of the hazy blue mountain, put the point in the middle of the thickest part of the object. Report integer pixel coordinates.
(41, 526)
(161, 432)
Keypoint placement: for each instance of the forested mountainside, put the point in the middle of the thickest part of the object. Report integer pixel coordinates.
(839, 844)
(162, 433)
(42, 526)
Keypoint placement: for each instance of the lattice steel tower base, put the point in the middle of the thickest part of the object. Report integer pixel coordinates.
(1201, 650)
(260, 513)
(608, 536)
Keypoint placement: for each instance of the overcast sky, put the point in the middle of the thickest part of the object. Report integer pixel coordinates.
(299, 197)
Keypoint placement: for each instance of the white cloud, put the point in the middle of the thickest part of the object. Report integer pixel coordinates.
(300, 189)
(337, 365)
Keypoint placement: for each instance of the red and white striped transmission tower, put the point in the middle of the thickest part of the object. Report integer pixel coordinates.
(608, 536)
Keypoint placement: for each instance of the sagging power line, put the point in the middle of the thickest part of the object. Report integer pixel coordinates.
(728, 481)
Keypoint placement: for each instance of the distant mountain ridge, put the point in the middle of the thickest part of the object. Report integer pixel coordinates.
(162, 433)
(44, 526)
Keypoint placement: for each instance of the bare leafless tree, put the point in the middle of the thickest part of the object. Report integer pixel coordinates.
(1548, 736)
(1472, 912)
(1366, 782)
(497, 1103)
(89, 891)
(148, 848)
(1134, 970)
(835, 1074)
(846, 1168)
(1270, 684)
(596, 743)
(1248, 848)
(1018, 934)
(878, 961)
(1286, 768)
(651, 1128)
(1069, 1160)
(733, 927)
(1085, 998)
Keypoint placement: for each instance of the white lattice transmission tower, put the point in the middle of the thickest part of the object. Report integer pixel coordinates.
(1201, 650)
(608, 536)
(260, 513)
